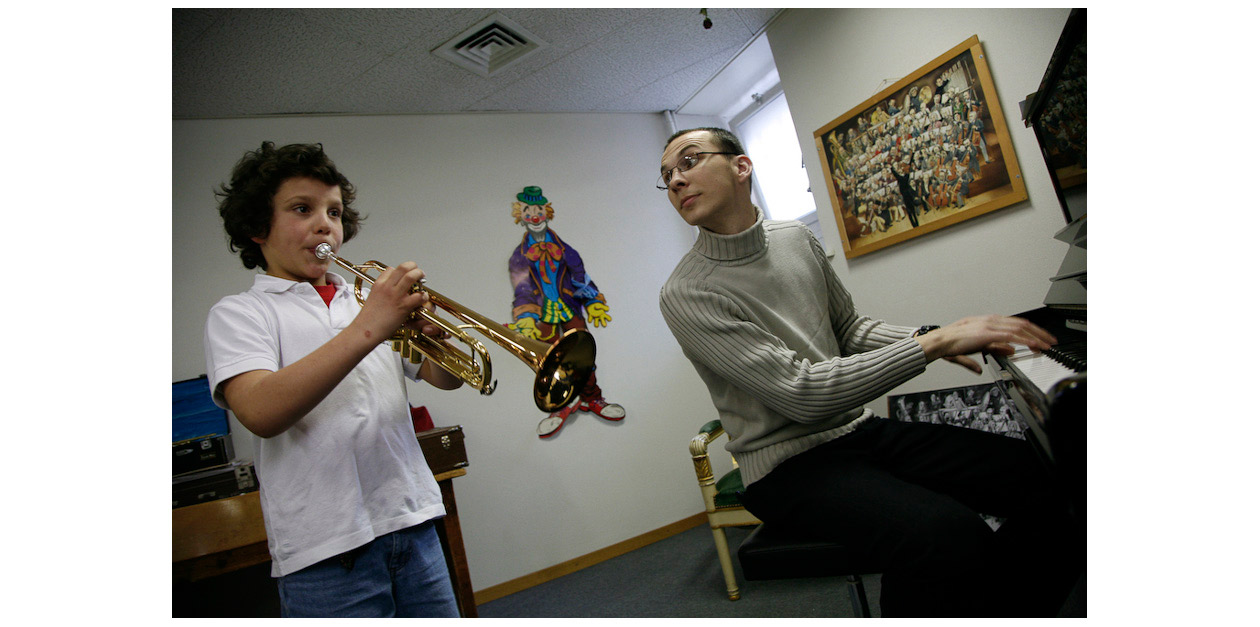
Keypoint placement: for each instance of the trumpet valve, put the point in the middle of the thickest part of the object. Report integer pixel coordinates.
(402, 345)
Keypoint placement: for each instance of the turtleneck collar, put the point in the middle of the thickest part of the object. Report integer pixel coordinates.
(745, 245)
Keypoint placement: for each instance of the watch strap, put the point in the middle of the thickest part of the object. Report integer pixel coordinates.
(927, 328)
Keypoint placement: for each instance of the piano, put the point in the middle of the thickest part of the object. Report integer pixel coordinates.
(1049, 389)
(1045, 386)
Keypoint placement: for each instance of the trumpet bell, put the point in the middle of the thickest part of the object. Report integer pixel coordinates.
(564, 370)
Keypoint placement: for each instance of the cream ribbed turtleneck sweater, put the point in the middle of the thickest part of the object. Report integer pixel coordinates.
(772, 332)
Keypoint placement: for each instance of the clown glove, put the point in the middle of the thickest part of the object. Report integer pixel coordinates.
(525, 326)
(597, 313)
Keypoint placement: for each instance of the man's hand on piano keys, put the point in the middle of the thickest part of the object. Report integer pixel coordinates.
(992, 334)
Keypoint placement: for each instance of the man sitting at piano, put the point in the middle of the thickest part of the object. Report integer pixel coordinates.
(789, 363)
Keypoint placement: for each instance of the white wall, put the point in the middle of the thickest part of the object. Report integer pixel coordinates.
(831, 60)
(438, 190)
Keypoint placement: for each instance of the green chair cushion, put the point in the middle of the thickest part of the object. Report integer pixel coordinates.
(729, 487)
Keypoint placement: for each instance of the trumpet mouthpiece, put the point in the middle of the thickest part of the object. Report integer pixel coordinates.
(323, 251)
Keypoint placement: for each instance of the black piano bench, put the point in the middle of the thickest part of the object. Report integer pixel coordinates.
(769, 554)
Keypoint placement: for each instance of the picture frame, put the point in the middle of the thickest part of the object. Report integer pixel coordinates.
(917, 144)
(984, 407)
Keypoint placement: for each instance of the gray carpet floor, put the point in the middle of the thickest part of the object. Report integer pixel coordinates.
(678, 577)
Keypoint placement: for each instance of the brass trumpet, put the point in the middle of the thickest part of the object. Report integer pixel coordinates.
(562, 369)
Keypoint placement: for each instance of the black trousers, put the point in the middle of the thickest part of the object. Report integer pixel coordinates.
(911, 495)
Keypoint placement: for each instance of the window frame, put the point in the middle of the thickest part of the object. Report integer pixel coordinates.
(810, 219)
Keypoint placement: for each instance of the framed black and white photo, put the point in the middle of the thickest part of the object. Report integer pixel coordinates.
(983, 407)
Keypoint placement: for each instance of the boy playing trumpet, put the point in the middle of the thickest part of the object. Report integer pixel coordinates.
(345, 492)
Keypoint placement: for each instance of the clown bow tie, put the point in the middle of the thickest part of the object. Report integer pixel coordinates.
(545, 252)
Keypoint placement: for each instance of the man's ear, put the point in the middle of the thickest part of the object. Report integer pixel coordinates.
(743, 167)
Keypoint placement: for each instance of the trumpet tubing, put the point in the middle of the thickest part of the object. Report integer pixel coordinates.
(561, 369)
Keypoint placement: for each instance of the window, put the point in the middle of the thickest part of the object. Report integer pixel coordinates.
(778, 165)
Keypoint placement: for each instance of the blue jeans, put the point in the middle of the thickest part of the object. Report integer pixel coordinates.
(399, 574)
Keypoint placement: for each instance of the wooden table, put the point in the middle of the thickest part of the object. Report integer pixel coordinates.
(225, 535)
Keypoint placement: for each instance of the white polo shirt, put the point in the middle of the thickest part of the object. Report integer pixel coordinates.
(350, 470)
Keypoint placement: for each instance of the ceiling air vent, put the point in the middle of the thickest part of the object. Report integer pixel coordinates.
(490, 45)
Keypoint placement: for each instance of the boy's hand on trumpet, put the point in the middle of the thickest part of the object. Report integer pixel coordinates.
(391, 300)
(407, 271)
(426, 327)
(395, 301)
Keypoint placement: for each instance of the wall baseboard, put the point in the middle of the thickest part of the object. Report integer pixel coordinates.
(590, 559)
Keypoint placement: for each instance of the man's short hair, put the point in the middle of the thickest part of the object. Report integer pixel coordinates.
(726, 141)
(245, 202)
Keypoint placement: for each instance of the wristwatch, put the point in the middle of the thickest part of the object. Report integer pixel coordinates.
(925, 329)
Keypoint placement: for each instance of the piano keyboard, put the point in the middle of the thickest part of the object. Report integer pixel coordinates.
(1031, 380)
(1048, 368)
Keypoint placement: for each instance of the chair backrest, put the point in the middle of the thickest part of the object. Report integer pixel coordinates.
(700, 456)
(720, 487)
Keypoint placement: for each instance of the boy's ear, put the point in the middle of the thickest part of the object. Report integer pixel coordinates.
(259, 240)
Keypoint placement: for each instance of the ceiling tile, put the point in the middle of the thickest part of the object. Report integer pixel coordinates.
(253, 62)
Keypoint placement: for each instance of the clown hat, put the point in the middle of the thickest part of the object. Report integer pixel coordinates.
(532, 196)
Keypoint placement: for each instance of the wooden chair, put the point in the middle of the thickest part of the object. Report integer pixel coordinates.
(767, 553)
(721, 500)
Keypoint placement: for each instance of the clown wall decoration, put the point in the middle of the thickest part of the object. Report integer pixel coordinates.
(552, 294)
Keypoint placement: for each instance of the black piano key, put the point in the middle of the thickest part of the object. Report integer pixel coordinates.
(1071, 354)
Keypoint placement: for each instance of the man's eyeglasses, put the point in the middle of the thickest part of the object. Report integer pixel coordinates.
(686, 163)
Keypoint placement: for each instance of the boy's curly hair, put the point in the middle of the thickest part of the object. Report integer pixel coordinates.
(245, 202)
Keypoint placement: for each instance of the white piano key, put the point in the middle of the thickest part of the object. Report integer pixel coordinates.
(1043, 371)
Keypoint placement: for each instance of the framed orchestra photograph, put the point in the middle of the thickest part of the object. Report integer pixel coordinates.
(927, 152)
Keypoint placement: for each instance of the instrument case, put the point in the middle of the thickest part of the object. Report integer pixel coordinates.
(443, 448)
